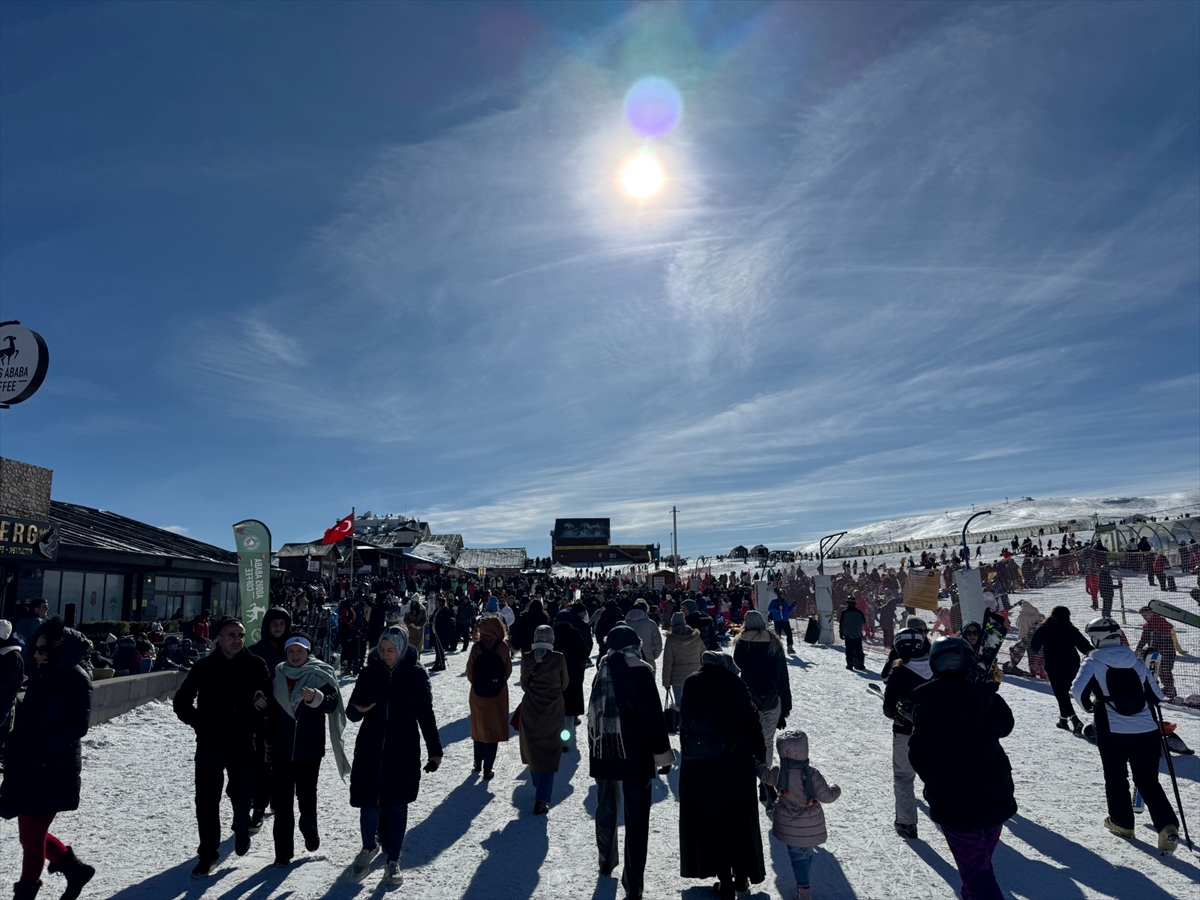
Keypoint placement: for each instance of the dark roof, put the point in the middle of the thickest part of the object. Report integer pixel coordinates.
(315, 548)
(86, 527)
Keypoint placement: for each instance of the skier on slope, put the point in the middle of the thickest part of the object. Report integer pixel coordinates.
(912, 671)
(1118, 687)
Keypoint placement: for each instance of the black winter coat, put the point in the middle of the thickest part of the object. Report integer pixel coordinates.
(12, 671)
(521, 634)
(217, 700)
(568, 642)
(898, 693)
(728, 784)
(610, 617)
(703, 623)
(955, 748)
(42, 757)
(850, 622)
(445, 626)
(300, 738)
(764, 670)
(269, 651)
(642, 728)
(387, 753)
(1061, 644)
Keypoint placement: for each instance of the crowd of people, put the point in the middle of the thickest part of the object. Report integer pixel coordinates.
(266, 714)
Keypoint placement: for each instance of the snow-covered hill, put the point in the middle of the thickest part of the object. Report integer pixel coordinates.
(1019, 512)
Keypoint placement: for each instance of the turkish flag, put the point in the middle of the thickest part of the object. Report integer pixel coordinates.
(339, 532)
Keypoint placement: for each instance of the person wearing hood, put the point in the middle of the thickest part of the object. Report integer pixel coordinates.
(1061, 644)
(955, 749)
(276, 629)
(648, 632)
(610, 616)
(627, 741)
(521, 633)
(44, 757)
(304, 695)
(489, 666)
(764, 670)
(911, 671)
(394, 701)
(972, 632)
(722, 746)
(12, 673)
(544, 678)
(702, 622)
(223, 698)
(569, 642)
(681, 655)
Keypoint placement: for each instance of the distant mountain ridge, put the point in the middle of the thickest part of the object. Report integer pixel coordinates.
(1019, 513)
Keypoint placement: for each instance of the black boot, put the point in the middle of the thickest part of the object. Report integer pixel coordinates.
(78, 874)
(26, 890)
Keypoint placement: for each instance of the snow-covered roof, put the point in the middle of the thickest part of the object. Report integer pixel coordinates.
(493, 558)
(430, 551)
(84, 526)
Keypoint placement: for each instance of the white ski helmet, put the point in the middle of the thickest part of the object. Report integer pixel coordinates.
(910, 643)
(1104, 632)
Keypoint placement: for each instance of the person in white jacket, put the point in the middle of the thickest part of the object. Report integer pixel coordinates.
(639, 620)
(1116, 685)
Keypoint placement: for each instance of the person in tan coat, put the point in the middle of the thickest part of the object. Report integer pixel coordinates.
(489, 666)
(681, 655)
(544, 677)
(416, 617)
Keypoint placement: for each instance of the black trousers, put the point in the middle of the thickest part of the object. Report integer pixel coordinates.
(637, 828)
(262, 774)
(212, 764)
(1140, 752)
(782, 627)
(854, 652)
(1061, 685)
(464, 634)
(292, 781)
(485, 753)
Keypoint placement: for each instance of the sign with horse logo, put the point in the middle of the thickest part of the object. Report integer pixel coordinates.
(23, 363)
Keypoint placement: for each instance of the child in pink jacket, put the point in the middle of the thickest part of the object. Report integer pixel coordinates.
(798, 818)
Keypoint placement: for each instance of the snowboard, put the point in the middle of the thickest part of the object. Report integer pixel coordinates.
(994, 630)
(1170, 611)
(903, 708)
(1173, 741)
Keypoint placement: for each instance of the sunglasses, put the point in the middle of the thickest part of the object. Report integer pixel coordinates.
(971, 631)
(41, 648)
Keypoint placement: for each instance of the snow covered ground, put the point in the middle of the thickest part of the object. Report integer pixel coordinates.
(472, 839)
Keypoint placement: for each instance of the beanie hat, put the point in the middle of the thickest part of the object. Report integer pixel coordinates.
(623, 636)
(690, 605)
(754, 621)
(678, 619)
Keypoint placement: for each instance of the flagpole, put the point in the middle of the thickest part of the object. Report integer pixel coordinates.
(351, 548)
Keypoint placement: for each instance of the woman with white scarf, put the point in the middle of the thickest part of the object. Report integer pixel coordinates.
(304, 696)
(544, 677)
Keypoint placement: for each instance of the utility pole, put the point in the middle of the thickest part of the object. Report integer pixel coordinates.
(966, 551)
(675, 541)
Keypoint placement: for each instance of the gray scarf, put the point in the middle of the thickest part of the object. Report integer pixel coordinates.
(604, 713)
(798, 769)
(314, 674)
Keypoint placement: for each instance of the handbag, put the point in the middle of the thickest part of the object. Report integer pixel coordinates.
(671, 713)
(515, 721)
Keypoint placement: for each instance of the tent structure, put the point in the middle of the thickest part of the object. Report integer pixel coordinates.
(1163, 535)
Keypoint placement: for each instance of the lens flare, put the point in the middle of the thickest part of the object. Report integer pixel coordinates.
(642, 176)
(653, 106)
(565, 735)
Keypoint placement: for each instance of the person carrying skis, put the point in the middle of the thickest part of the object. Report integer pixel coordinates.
(910, 673)
(955, 749)
(1061, 645)
(850, 627)
(1118, 687)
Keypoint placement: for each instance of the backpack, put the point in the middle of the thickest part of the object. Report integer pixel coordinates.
(701, 740)
(1126, 693)
(489, 673)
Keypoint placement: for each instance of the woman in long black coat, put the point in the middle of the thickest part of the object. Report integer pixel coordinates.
(568, 642)
(394, 701)
(43, 760)
(1061, 644)
(722, 743)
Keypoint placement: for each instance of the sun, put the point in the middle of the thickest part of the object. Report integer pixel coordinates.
(642, 176)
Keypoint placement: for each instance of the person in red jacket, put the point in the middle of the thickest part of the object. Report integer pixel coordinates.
(1092, 583)
(1157, 635)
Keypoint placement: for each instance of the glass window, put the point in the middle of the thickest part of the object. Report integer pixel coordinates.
(114, 595)
(161, 584)
(194, 586)
(192, 604)
(176, 585)
(72, 592)
(93, 598)
(51, 581)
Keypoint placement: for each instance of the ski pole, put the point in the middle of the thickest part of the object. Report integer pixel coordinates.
(1156, 714)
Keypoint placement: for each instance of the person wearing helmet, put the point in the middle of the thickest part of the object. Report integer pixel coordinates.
(955, 749)
(914, 622)
(1116, 685)
(912, 671)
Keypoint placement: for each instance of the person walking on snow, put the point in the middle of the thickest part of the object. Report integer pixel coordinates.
(1061, 644)
(304, 694)
(850, 627)
(222, 699)
(759, 654)
(489, 666)
(648, 633)
(544, 678)
(780, 612)
(276, 629)
(798, 819)
(955, 749)
(43, 761)
(681, 656)
(1118, 687)
(912, 671)
(393, 700)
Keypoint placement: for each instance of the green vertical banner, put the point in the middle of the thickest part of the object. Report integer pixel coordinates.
(253, 541)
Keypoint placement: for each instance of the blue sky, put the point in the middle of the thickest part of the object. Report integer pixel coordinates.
(290, 258)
